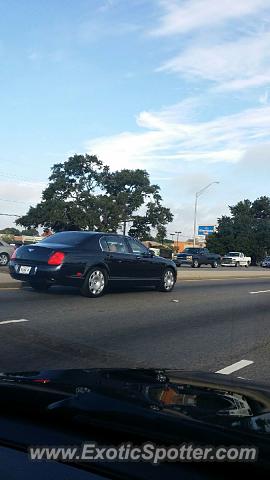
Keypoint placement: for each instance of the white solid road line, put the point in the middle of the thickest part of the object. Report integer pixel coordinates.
(260, 291)
(14, 321)
(234, 367)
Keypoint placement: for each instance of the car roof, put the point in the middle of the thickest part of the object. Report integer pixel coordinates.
(90, 232)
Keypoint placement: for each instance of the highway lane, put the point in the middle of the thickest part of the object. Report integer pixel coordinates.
(203, 325)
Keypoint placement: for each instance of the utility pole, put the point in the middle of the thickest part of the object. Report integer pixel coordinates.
(177, 239)
(172, 235)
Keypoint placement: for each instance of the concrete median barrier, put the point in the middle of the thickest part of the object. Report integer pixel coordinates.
(205, 273)
(7, 282)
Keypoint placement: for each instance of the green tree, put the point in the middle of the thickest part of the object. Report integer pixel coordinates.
(10, 231)
(140, 228)
(32, 232)
(161, 233)
(247, 230)
(84, 194)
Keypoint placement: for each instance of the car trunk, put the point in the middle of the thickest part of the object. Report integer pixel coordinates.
(38, 254)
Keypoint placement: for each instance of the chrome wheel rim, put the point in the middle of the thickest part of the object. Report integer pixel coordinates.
(3, 259)
(96, 282)
(168, 280)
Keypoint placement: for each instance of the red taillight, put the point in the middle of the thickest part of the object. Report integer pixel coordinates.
(41, 380)
(13, 255)
(56, 258)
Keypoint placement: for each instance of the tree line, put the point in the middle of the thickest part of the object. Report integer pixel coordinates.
(246, 230)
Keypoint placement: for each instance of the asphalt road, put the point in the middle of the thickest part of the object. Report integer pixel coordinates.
(201, 325)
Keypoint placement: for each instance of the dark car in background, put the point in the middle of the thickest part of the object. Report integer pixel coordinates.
(195, 257)
(91, 261)
(266, 262)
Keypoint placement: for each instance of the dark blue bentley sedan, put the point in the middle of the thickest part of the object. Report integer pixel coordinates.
(91, 261)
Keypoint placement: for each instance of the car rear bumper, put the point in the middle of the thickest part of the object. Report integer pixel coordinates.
(57, 275)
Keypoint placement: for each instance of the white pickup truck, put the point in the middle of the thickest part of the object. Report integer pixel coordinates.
(235, 259)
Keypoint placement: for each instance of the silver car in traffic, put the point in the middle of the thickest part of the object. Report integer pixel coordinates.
(6, 251)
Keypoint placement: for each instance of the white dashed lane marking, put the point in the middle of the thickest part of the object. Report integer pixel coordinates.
(260, 291)
(4, 322)
(235, 366)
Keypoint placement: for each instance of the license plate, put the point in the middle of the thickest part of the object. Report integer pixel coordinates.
(25, 270)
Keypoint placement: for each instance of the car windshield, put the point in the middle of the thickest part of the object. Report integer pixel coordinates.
(135, 217)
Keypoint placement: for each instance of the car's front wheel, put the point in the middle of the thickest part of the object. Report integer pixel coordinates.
(95, 283)
(167, 281)
(4, 259)
(195, 264)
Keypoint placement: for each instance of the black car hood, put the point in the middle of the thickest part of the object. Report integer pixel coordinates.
(172, 396)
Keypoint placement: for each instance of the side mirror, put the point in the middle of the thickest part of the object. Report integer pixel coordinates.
(150, 253)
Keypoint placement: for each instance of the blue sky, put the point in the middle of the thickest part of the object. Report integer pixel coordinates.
(178, 87)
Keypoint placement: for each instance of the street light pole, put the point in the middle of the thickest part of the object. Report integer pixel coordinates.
(177, 238)
(172, 235)
(197, 195)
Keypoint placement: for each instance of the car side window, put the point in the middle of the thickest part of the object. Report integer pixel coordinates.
(137, 247)
(104, 245)
(115, 244)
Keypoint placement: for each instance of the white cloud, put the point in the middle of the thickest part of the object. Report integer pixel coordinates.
(263, 99)
(256, 161)
(233, 65)
(16, 198)
(181, 17)
(164, 142)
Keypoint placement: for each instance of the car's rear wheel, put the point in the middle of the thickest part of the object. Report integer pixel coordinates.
(247, 265)
(4, 259)
(167, 281)
(95, 283)
(214, 264)
(39, 285)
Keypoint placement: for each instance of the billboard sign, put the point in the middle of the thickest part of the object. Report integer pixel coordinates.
(206, 229)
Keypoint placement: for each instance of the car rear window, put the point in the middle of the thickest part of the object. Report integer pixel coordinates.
(67, 238)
